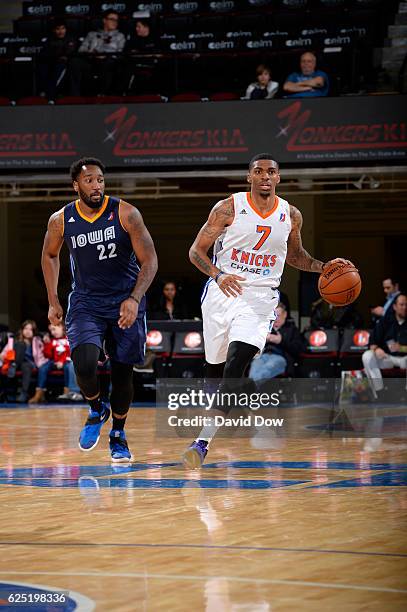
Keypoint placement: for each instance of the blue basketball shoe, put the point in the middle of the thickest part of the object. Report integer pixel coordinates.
(118, 447)
(195, 454)
(90, 434)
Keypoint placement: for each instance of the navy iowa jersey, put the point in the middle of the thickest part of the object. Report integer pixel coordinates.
(103, 262)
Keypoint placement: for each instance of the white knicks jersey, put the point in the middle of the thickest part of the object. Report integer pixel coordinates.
(254, 245)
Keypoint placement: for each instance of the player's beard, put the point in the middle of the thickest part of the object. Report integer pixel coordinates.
(89, 202)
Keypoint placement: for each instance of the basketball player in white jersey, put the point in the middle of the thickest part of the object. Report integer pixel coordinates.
(253, 234)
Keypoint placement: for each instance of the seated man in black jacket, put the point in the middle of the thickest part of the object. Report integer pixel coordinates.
(53, 61)
(388, 343)
(283, 345)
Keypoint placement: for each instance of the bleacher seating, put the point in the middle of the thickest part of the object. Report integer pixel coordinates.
(342, 32)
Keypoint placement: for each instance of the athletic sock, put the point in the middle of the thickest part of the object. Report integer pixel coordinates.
(208, 431)
(96, 404)
(118, 423)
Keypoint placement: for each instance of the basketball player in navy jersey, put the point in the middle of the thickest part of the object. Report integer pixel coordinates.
(113, 262)
(253, 234)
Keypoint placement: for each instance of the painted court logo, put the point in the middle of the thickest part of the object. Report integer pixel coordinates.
(27, 596)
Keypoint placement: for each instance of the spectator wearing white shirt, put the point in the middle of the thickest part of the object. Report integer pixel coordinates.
(98, 56)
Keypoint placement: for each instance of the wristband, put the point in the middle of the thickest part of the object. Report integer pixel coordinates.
(134, 298)
(217, 276)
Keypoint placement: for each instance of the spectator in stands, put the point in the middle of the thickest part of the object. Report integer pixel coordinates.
(53, 61)
(263, 88)
(388, 343)
(138, 72)
(309, 83)
(99, 56)
(391, 291)
(56, 349)
(169, 306)
(28, 351)
(4, 335)
(284, 299)
(326, 316)
(142, 40)
(284, 344)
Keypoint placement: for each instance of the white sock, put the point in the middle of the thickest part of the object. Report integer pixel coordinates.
(208, 431)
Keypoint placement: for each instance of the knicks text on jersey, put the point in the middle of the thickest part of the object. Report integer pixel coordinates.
(255, 245)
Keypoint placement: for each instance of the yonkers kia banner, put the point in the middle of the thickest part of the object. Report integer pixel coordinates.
(206, 134)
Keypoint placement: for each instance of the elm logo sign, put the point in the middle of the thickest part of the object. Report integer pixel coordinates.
(153, 7)
(41, 10)
(119, 7)
(305, 135)
(131, 139)
(77, 9)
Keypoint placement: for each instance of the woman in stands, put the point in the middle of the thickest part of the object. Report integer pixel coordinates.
(25, 352)
(170, 306)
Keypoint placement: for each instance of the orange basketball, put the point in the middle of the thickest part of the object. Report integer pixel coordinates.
(339, 284)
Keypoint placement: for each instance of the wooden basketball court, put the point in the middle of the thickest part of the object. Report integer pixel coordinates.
(311, 524)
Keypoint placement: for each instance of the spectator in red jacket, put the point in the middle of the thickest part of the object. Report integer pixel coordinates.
(56, 350)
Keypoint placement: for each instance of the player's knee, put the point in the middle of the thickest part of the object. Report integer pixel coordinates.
(85, 370)
(121, 373)
(85, 361)
(240, 355)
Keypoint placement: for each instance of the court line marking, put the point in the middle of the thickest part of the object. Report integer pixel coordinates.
(322, 585)
(209, 546)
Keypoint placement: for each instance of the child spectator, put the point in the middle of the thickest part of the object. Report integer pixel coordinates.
(263, 88)
(56, 349)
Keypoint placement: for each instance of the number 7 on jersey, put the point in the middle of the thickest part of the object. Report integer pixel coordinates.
(265, 230)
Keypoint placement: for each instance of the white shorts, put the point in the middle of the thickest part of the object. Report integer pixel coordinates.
(246, 318)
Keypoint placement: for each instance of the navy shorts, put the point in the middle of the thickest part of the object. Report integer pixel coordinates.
(94, 321)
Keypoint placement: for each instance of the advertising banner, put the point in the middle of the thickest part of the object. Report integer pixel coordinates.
(193, 135)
